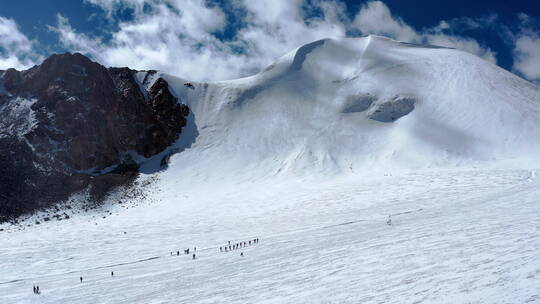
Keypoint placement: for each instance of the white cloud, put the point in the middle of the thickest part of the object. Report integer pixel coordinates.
(465, 44)
(527, 48)
(375, 18)
(527, 56)
(179, 36)
(16, 50)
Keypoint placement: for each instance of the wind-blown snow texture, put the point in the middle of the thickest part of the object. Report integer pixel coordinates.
(311, 156)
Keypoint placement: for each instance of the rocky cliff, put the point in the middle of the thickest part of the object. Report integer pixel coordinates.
(71, 124)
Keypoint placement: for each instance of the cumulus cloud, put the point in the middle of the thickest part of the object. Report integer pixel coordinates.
(461, 43)
(183, 37)
(527, 49)
(16, 50)
(527, 56)
(180, 37)
(375, 18)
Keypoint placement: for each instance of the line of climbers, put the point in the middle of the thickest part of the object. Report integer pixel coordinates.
(226, 248)
(242, 244)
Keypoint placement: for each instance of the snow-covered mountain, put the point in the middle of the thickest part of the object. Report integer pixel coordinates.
(332, 107)
(351, 105)
(372, 171)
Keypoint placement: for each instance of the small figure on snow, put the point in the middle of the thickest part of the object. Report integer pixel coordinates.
(194, 256)
(80, 279)
(112, 273)
(389, 220)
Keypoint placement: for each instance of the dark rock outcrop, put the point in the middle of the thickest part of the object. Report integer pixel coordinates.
(358, 103)
(379, 109)
(391, 109)
(71, 122)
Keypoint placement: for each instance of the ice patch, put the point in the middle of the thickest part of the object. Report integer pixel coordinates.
(145, 80)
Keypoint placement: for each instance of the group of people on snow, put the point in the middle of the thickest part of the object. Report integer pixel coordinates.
(242, 244)
(226, 248)
(36, 287)
(186, 252)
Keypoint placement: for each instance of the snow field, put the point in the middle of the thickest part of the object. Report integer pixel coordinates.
(472, 237)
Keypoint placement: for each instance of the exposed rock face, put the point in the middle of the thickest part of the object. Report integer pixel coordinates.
(70, 118)
(382, 110)
(358, 103)
(391, 109)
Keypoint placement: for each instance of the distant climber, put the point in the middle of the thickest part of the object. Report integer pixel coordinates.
(194, 256)
(189, 85)
(112, 273)
(80, 279)
(220, 249)
(241, 254)
(389, 220)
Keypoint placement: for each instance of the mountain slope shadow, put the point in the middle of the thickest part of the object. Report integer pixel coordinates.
(160, 161)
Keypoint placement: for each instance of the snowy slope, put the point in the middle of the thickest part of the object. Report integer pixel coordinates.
(457, 237)
(309, 113)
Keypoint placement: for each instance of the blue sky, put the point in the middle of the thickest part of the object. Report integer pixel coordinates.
(214, 39)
